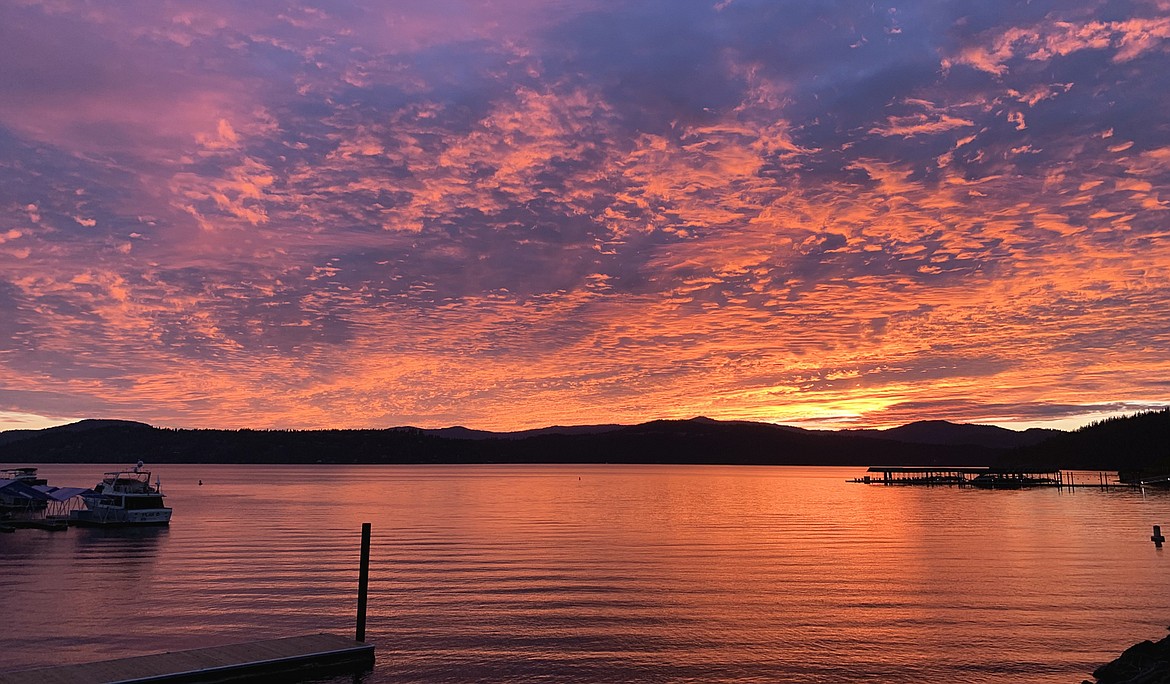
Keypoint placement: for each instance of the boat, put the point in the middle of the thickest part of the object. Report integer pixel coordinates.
(1015, 480)
(123, 497)
(26, 475)
(1158, 478)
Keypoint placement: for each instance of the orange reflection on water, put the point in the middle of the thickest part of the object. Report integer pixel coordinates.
(611, 573)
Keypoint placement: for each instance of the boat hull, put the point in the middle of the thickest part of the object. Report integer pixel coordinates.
(120, 517)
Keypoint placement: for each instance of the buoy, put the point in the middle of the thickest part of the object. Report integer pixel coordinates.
(1157, 537)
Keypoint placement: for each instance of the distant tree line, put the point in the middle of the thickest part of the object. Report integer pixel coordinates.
(1137, 442)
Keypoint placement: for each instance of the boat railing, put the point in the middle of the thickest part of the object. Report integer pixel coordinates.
(130, 482)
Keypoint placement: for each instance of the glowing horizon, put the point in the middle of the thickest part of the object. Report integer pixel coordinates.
(345, 214)
(18, 421)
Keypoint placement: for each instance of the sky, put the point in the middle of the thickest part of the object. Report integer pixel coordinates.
(508, 215)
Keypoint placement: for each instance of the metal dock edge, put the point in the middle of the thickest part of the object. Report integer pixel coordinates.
(305, 656)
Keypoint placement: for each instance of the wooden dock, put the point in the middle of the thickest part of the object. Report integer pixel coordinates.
(914, 475)
(985, 477)
(286, 659)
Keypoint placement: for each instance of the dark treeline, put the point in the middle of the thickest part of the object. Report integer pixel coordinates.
(1137, 443)
(690, 441)
(1130, 443)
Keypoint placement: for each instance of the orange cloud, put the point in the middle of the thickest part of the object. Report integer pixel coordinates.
(402, 218)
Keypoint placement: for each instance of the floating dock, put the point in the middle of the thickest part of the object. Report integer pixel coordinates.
(36, 524)
(286, 659)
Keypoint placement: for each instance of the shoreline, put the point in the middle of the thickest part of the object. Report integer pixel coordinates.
(1146, 662)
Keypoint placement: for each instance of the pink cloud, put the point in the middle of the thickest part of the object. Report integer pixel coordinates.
(411, 214)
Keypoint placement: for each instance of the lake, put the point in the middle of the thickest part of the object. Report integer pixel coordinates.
(590, 573)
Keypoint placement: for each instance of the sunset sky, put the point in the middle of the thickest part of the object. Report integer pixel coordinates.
(512, 214)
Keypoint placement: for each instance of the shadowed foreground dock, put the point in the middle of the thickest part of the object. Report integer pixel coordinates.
(285, 660)
(288, 659)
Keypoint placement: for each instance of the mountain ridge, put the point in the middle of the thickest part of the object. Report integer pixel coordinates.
(946, 432)
(694, 441)
(940, 432)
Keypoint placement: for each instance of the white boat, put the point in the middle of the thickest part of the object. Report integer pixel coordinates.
(124, 497)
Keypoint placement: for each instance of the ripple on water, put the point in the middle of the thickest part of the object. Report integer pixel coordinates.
(607, 573)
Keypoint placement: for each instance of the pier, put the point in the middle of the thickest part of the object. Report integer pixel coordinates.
(982, 477)
(909, 475)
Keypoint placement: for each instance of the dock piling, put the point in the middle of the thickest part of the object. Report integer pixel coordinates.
(363, 583)
(1157, 537)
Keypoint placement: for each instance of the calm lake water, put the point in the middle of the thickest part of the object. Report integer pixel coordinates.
(606, 574)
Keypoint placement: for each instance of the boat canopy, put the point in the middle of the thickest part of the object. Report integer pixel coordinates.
(63, 493)
(16, 488)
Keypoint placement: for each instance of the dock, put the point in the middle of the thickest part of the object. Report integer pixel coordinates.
(48, 524)
(288, 659)
(912, 475)
(983, 477)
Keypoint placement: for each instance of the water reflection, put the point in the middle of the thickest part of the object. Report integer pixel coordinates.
(144, 539)
(600, 573)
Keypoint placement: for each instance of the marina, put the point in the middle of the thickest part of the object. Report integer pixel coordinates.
(122, 498)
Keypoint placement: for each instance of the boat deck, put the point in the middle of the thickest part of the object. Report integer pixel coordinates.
(292, 657)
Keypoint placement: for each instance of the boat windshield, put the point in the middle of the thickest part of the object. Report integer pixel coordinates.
(128, 482)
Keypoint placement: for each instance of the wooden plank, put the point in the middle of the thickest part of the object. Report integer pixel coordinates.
(307, 654)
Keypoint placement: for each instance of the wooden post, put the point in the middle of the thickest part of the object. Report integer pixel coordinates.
(363, 583)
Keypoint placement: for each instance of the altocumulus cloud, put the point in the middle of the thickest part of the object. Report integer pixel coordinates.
(355, 214)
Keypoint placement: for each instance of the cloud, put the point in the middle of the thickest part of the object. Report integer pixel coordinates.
(1052, 38)
(920, 124)
(353, 215)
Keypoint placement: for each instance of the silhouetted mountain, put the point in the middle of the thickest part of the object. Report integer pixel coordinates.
(80, 426)
(16, 435)
(708, 441)
(944, 432)
(1139, 442)
(460, 432)
(95, 424)
(664, 441)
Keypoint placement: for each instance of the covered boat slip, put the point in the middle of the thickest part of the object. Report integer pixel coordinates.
(289, 659)
(910, 475)
(973, 476)
(24, 501)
